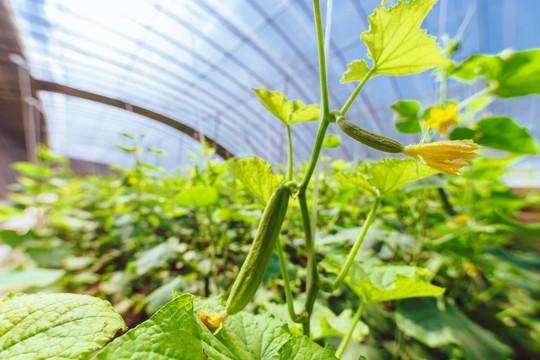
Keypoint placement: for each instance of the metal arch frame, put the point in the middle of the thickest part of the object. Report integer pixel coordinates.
(41, 85)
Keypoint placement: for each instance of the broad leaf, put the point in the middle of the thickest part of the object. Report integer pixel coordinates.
(395, 42)
(406, 119)
(435, 327)
(511, 74)
(19, 280)
(500, 133)
(382, 283)
(331, 141)
(387, 175)
(289, 112)
(175, 332)
(302, 348)
(356, 71)
(54, 326)
(258, 177)
(197, 196)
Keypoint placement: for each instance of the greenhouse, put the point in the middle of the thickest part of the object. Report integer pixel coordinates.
(277, 179)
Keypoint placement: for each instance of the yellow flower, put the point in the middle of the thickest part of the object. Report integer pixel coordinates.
(367, 193)
(131, 180)
(444, 155)
(137, 150)
(461, 219)
(442, 119)
(213, 320)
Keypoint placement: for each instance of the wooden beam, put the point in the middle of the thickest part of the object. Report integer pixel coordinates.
(40, 85)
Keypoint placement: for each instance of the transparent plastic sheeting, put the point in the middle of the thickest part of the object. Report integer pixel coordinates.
(73, 131)
(196, 61)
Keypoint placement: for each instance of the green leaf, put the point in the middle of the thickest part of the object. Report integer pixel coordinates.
(406, 119)
(395, 42)
(289, 112)
(156, 256)
(31, 170)
(54, 326)
(324, 323)
(331, 141)
(175, 332)
(302, 348)
(500, 133)
(387, 175)
(435, 327)
(197, 196)
(511, 74)
(172, 333)
(20, 280)
(382, 283)
(258, 177)
(356, 71)
(302, 113)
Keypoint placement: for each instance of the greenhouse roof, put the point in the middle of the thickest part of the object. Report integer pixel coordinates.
(195, 62)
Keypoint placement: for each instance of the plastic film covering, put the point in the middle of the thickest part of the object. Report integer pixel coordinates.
(196, 62)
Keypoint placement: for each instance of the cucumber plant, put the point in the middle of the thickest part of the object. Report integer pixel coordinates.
(190, 327)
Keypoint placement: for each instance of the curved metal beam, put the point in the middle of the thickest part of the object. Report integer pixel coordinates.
(41, 85)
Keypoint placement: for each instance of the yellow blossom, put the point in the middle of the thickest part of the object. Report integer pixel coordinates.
(383, 1)
(444, 155)
(131, 180)
(442, 119)
(137, 150)
(461, 219)
(214, 320)
(367, 193)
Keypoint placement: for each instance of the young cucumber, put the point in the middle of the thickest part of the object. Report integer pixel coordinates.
(251, 274)
(371, 139)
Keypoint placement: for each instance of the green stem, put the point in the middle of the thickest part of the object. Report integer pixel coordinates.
(287, 284)
(322, 60)
(347, 338)
(290, 154)
(353, 96)
(443, 96)
(474, 97)
(312, 278)
(356, 247)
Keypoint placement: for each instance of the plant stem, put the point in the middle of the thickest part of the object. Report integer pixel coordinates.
(285, 276)
(474, 97)
(312, 278)
(353, 96)
(290, 154)
(322, 60)
(356, 247)
(347, 338)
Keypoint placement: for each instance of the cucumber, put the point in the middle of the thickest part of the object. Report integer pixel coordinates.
(371, 139)
(251, 274)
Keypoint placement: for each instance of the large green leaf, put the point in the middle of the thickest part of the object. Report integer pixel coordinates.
(18, 280)
(289, 112)
(509, 74)
(54, 326)
(382, 283)
(257, 176)
(500, 133)
(395, 42)
(406, 119)
(356, 71)
(197, 196)
(302, 348)
(387, 175)
(435, 327)
(175, 332)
